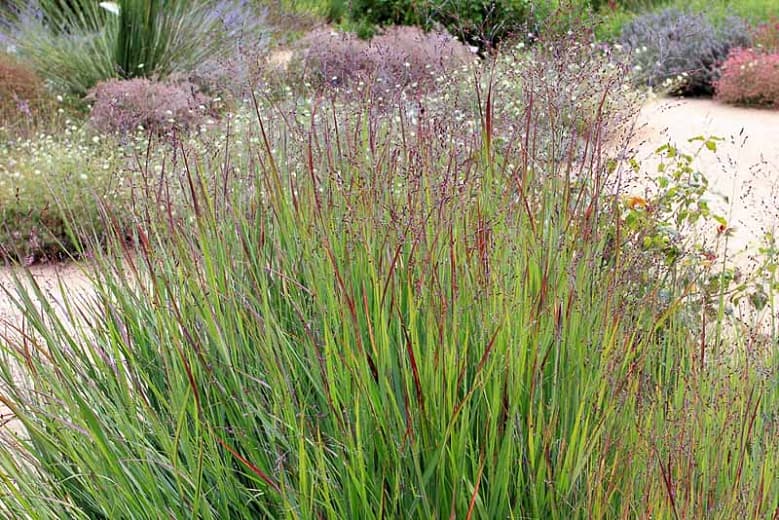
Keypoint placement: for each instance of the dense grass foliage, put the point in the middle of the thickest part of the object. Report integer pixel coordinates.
(424, 307)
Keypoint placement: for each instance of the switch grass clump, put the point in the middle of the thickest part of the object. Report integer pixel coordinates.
(433, 309)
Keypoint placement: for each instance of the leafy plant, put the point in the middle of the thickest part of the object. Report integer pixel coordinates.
(719, 11)
(481, 23)
(682, 48)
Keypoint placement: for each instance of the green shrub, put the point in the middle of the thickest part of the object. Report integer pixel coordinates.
(50, 182)
(482, 23)
(719, 11)
(614, 16)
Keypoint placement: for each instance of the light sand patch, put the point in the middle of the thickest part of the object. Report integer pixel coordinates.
(745, 168)
(743, 174)
(57, 281)
(280, 59)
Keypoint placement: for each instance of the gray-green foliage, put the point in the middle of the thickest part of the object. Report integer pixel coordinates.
(78, 46)
(682, 50)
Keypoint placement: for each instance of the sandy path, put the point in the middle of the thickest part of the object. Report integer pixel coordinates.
(743, 180)
(53, 279)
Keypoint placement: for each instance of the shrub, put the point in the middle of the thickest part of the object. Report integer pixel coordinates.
(122, 106)
(749, 77)
(331, 56)
(683, 48)
(21, 91)
(482, 23)
(51, 189)
(718, 11)
(398, 56)
(409, 54)
(79, 46)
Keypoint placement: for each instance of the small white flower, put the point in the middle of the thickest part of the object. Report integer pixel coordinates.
(111, 7)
